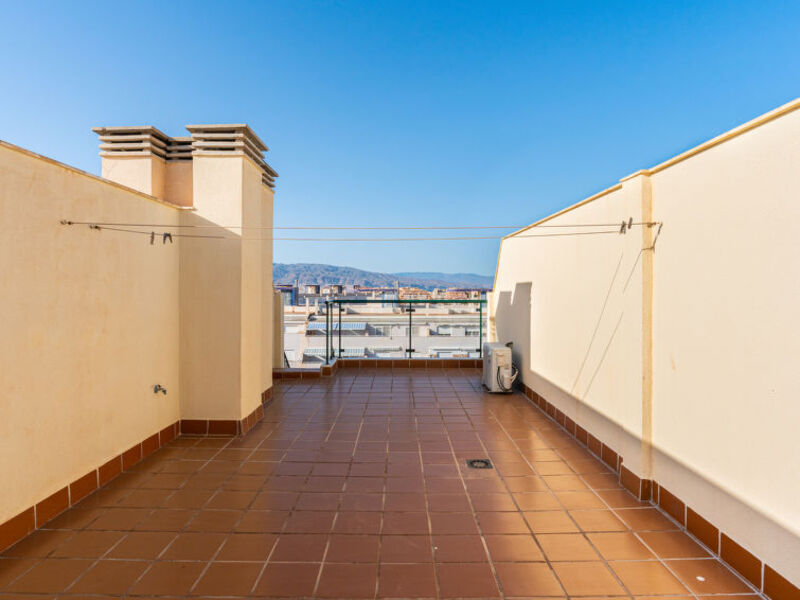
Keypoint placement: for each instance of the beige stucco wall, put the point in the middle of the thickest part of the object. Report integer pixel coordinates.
(225, 341)
(210, 313)
(575, 326)
(726, 323)
(92, 320)
(145, 173)
(90, 324)
(724, 279)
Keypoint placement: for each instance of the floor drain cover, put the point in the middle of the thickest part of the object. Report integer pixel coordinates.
(479, 463)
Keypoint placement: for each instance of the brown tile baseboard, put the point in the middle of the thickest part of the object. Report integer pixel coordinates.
(378, 363)
(34, 517)
(750, 567)
(222, 427)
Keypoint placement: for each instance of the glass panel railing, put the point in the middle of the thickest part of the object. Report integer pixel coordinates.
(383, 329)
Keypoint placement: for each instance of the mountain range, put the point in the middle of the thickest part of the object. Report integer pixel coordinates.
(324, 274)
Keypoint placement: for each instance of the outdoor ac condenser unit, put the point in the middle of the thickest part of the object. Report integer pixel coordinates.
(499, 372)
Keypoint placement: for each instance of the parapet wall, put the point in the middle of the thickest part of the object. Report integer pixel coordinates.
(674, 344)
(94, 319)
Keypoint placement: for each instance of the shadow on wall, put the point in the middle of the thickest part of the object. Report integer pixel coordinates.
(513, 322)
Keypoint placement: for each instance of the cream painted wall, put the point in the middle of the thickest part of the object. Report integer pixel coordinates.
(90, 324)
(223, 333)
(268, 295)
(211, 302)
(726, 323)
(252, 273)
(725, 285)
(146, 173)
(94, 319)
(576, 328)
(178, 184)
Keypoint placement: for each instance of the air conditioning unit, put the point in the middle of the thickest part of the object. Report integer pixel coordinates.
(499, 372)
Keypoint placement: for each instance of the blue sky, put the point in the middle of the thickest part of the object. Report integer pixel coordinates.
(404, 113)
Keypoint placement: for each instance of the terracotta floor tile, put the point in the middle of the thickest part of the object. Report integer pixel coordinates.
(619, 546)
(555, 521)
(537, 501)
(347, 581)
(597, 520)
(122, 519)
(215, 520)
(353, 549)
(406, 549)
(367, 470)
(109, 577)
(11, 568)
(262, 521)
(49, 576)
(564, 482)
(453, 523)
(228, 579)
(247, 547)
(142, 544)
(194, 546)
(502, 522)
(467, 581)
(648, 577)
(88, 544)
(566, 547)
(358, 522)
(405, 523)
(524, 485)
(645, 519)
(275, 501)
(587, 579)
(168, 579)
(364, 485)
(318, 501)
(306, 521)
(459, 548)
(620, 498)
(166, 520)
(528, 579)
(145, 498)
(407, 581)
(450, 485)
(75, 518)
(580, 500)
(513, 548)
(448, 502)
(39, 543)
(300, 548)
(708, 576)
(225, 499)
(362, 502)
(405, 502)
(190, 498)
(673, 544)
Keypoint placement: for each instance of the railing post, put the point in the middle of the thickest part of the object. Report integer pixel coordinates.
(480, 330)
(327, 313)
(410, 314)
(340, 329)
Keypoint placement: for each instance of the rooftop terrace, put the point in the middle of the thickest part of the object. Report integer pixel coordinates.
(356, 486)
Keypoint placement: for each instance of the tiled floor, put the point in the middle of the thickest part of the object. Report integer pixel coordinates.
(356, 487)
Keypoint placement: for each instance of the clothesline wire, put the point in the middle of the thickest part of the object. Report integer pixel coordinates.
(333, 228)
(152, 234)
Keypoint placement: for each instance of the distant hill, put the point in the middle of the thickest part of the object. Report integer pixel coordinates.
(323, 274)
